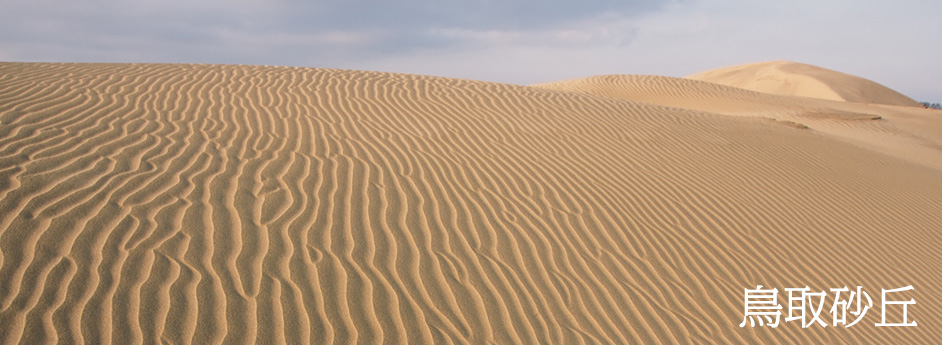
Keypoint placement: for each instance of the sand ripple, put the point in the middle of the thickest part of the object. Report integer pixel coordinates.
(237, 204)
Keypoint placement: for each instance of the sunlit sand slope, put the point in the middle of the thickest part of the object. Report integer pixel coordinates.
(910, 133)
(798, 79)
(236, 204)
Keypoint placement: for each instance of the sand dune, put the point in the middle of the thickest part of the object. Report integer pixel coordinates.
(910, 133)
(215, 204)
(797, 79)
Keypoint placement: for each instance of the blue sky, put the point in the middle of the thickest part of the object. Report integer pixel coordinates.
(514, 41)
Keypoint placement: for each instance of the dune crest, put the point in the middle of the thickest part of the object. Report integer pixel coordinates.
(798, 79)
(208, 204)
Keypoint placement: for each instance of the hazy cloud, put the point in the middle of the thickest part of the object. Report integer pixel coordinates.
(196, 30)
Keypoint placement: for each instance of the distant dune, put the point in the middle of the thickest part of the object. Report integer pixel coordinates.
(908, 133)
(208, 204)
(797, 79)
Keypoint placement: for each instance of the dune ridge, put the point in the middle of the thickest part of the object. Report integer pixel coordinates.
(798, 79)
(209, 204)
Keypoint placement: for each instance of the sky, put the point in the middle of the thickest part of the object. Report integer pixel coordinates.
(895, 43)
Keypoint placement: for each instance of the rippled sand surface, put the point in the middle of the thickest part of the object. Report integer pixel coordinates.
(212, 204)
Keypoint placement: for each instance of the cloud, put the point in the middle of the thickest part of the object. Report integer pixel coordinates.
(218, 31)
(605, 29)
(481, 14)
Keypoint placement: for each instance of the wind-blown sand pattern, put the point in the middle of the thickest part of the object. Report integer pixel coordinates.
(214, 204)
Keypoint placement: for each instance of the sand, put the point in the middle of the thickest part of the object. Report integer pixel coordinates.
(798, 79)
(910, 133)
(206, 204)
